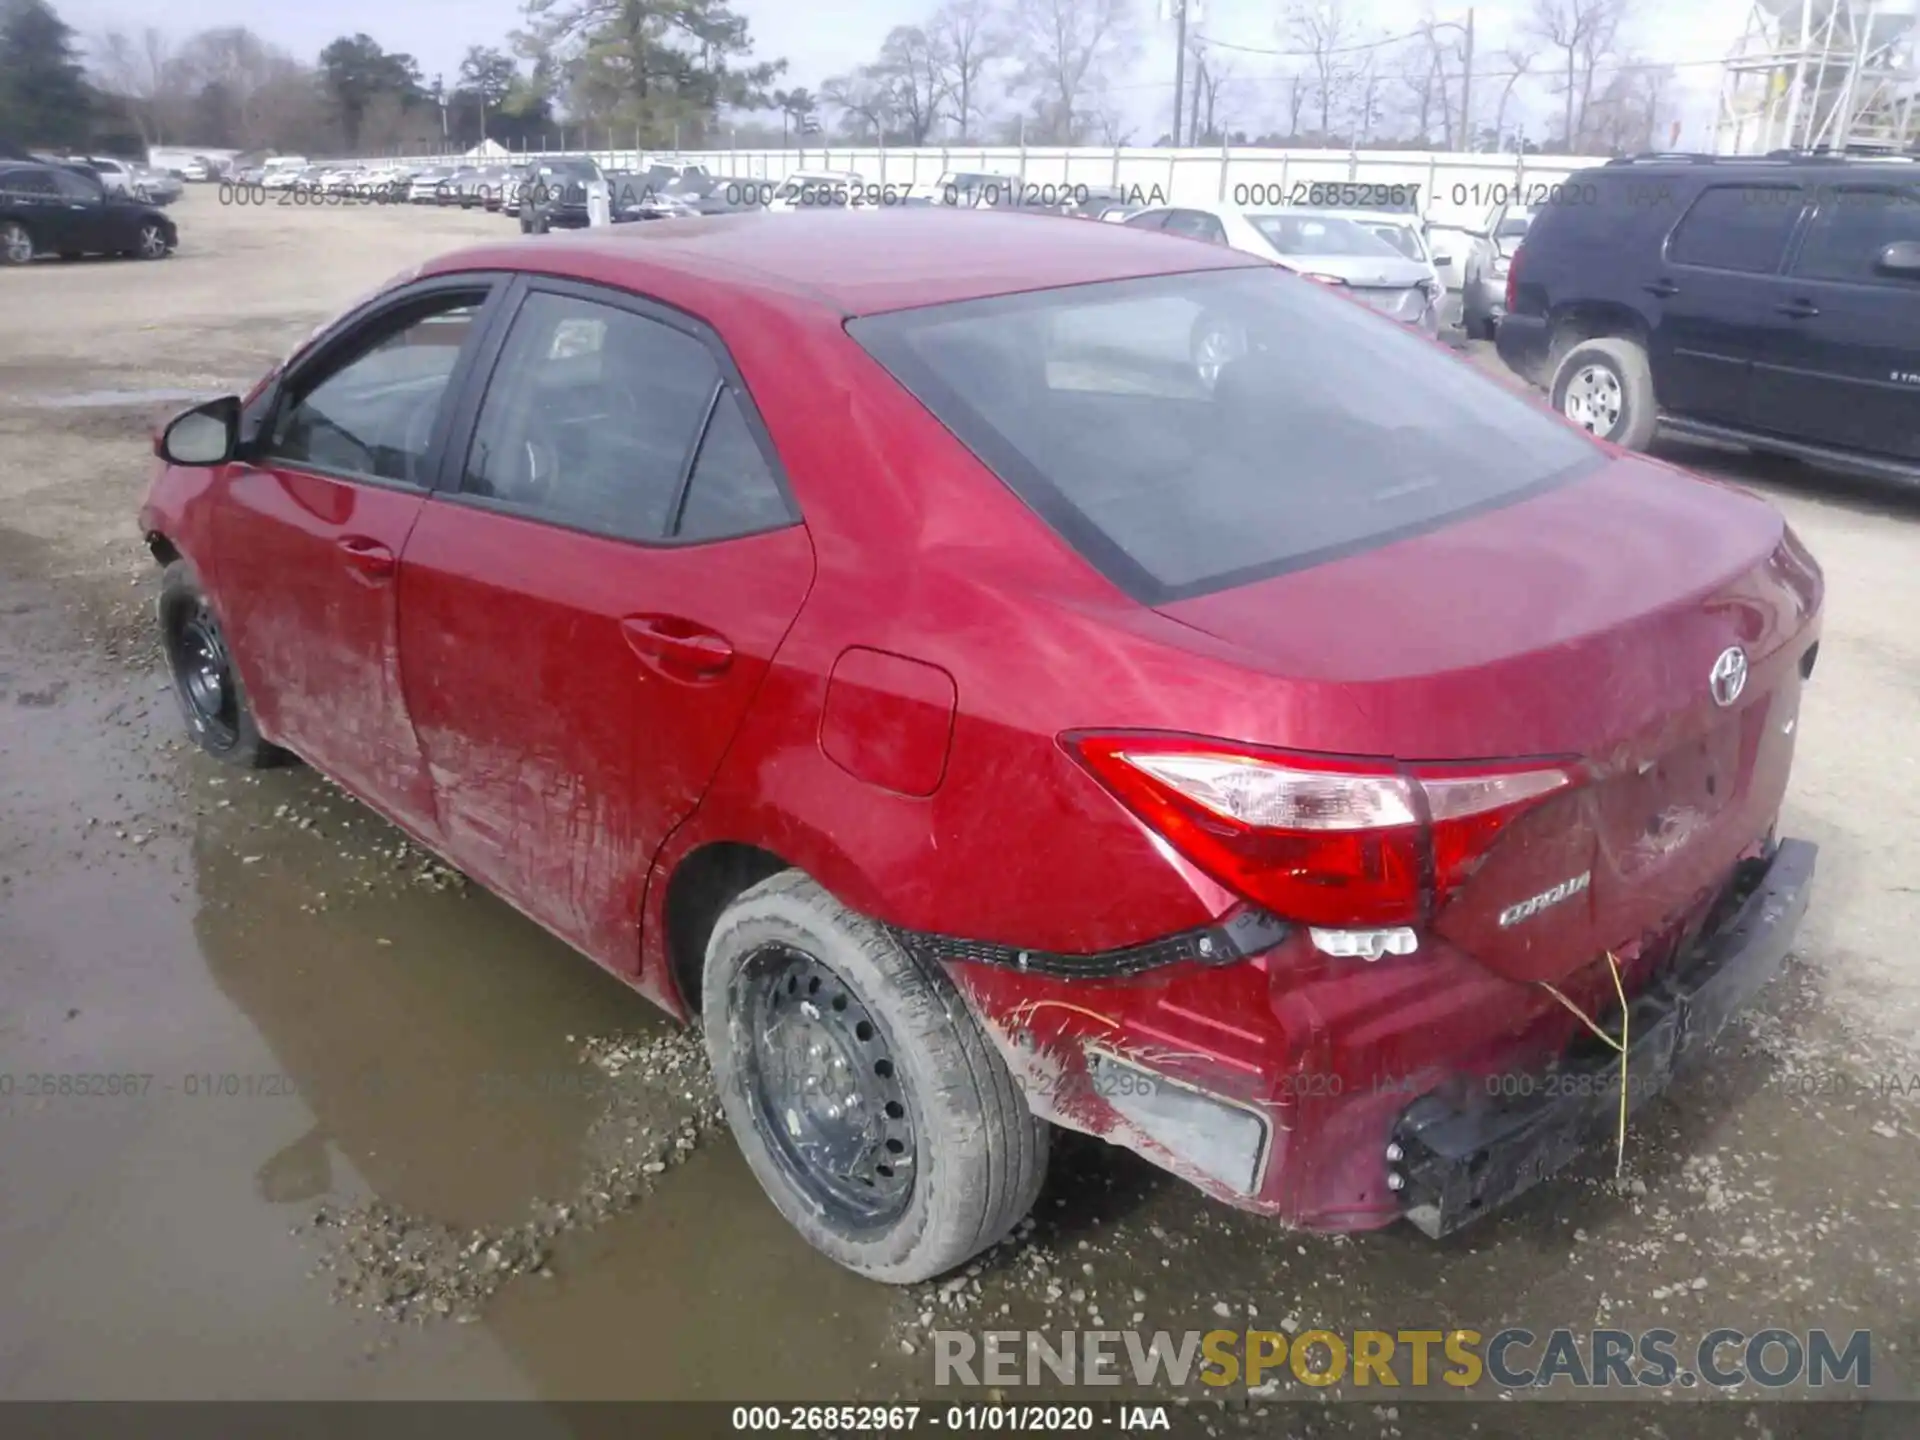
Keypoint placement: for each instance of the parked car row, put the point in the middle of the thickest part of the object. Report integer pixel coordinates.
(130, 178)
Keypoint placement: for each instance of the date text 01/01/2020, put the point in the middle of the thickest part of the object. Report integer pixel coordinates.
(911, 1419)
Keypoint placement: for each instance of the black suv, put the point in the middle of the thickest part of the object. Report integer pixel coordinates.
(553, 195)
(1773, 301)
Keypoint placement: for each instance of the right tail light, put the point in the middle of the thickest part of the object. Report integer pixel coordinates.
(1320, 840)
(1513, 274)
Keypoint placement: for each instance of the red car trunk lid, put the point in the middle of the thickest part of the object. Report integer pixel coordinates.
(1581, 626)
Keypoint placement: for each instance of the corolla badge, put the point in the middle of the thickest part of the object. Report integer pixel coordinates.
(1729, 676)
(1526, 909)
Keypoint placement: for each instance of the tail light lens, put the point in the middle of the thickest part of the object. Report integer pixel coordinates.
(1318, 840)
(1513, 274)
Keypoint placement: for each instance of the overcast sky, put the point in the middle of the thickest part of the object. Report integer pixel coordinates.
(821, 39)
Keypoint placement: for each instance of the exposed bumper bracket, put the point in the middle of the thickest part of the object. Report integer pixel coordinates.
(1458, 1163)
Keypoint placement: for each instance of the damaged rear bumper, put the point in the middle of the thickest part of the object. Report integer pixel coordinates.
(1455, 1164)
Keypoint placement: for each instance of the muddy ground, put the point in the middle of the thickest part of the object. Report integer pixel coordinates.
(376, 1136)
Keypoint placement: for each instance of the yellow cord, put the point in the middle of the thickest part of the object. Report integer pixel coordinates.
(1620, 1045)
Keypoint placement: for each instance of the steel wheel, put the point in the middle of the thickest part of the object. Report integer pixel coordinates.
(820, 1078)
(1593, 400)
(203, 672)
(16, 245)
(153, 242)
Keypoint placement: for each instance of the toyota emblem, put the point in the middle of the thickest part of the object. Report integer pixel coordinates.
(1729, 676)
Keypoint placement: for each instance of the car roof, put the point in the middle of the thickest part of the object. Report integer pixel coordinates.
(852, 264)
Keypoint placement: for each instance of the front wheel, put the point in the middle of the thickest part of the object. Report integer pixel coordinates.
(153, 243)
(16, 244)
(1605, 386)
(204, 680)
(866, 1098)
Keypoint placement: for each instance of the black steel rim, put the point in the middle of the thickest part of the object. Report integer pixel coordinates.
(204, 675)
(824, 1088)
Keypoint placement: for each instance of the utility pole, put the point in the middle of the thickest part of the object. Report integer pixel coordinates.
(1178, 11)
(1466, 91)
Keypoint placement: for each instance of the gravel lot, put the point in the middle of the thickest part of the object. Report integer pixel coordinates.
(392, 1141)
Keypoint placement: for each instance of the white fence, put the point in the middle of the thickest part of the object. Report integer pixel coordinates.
(1451, 188)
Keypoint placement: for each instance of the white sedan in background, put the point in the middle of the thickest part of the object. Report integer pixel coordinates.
(1332, 249)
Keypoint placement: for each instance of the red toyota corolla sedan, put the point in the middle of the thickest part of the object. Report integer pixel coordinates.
(873, 635)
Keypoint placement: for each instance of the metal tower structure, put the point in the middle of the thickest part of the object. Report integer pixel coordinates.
(1812, 74)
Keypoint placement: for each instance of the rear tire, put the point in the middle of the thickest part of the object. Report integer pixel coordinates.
(1605, 386)
(211, 697)
(866, 1098)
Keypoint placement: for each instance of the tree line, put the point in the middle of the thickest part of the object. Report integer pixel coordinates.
(683, 72)
(1055, 72)
(653, 72)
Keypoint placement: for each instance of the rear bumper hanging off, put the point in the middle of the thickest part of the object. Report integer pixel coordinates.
(1457, 1164)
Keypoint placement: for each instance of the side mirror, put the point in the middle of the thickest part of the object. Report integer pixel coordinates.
(203, 436)
(1902, 257)
(1441, 262)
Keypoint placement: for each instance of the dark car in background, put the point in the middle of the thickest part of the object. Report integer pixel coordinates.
(60, 210)
(1770, 301)
(554, 195)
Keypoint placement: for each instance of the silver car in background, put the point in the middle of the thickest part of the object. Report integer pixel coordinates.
(1329, 248)
(1483, 295)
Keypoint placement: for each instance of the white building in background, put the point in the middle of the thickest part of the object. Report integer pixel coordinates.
(1812, 73)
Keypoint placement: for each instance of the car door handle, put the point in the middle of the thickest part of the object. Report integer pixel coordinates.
(677, 648)
(1799, 309)
(368, 559)
(1663, 288)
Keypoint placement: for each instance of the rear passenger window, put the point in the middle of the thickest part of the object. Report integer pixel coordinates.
(1853, 225)
(591, 417)
(1738, 227)
(732, 491)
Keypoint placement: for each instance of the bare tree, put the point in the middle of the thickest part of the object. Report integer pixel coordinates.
(1368, 84)
(1583, 32)
(1294, 100)
(1069, 50)
(912, 69)
(135, 70)
(864, 102)
(966, 40)
(1518, 61)
(1626, 114)
(269, 99)
(1324, 34)
(1421, 79)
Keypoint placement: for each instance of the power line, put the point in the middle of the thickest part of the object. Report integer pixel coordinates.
(1316, 54)
(1618, 67)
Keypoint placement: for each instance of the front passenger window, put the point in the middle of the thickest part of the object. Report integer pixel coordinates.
(373, 414)
(591, 417)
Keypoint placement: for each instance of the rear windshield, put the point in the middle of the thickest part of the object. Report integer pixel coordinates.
(1328, 429)
(1319, 235)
